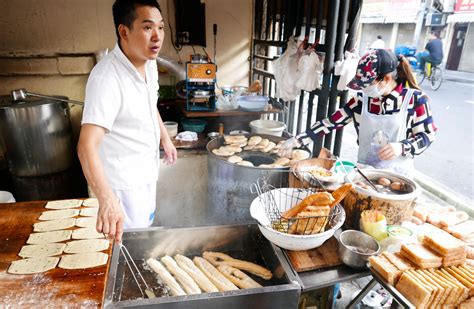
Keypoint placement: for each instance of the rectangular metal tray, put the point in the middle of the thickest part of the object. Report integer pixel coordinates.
(240, 241)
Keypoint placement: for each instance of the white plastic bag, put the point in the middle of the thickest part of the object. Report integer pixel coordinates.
(285, 70)
(309, 72)
(348, 69)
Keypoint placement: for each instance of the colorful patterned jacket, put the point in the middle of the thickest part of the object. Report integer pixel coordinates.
(421, 130)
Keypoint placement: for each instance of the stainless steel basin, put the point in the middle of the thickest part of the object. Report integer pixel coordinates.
(240, 241)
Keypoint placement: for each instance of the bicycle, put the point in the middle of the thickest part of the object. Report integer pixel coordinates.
(433, 74)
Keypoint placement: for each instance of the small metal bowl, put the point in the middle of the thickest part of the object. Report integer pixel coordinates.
(213, 135)
(356, 247)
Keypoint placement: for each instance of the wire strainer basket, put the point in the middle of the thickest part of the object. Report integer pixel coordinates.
(278, 201)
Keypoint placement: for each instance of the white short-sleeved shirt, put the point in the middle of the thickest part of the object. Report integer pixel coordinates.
(119, 100)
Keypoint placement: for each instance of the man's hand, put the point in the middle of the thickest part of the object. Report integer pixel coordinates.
(171, 155)
(110, 218)
(287, 147)
(390, 151)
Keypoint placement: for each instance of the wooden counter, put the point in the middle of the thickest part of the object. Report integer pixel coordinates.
(54, 288)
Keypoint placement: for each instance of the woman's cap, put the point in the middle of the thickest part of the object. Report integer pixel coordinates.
(372, 65)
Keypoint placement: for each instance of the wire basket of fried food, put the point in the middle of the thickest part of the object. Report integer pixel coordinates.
(297, 218)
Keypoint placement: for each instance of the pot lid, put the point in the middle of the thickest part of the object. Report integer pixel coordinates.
(6, 101)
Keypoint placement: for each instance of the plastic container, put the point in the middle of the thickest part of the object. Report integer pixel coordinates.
(194, 125)
(252, 103)
(6, 197)
(270, 127)
(171, 127)
(397, 235)
(344, 167)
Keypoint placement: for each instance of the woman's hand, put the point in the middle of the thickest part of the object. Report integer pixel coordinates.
(171, 155)
(390, 151)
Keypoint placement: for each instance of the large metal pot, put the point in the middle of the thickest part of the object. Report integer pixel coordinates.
(229, 193)
(37, 136)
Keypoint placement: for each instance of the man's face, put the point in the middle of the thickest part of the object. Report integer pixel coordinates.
(145, 38)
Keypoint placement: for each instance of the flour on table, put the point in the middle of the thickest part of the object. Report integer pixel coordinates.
(86, 233)
(86, 245)
(58, 214)
(63, 204)
(41, 250)
(91, 202)
(83, 260)
(89, 212)
(86, 222)
(49, 237)
(54, 225)
(33, 265)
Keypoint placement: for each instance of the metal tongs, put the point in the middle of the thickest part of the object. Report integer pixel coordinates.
(136, 273)
(367, 179)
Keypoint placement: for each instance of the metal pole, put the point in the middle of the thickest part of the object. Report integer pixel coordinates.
(419, 23)
(339, 55)
(330, 44)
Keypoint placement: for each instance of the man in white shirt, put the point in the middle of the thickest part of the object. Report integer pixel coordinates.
(119, 143)
(378, 44)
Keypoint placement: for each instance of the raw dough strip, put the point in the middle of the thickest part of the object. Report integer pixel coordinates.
(33, 265)
(83, 260)
(237, 277)
(181, 276)
(188, 266)
(218, 279)
(170, 282)
(218, 258)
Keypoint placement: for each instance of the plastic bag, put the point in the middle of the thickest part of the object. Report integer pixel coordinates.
(347, 70)
(309, 72)
(285, 70)
(379, 139)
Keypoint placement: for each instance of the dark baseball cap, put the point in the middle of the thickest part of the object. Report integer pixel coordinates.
(372, 65)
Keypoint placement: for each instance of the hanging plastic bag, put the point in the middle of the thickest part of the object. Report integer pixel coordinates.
(285, 69)
(309, 71)
(348, 69)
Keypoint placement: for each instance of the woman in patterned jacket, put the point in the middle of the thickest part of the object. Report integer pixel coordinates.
(390, 113)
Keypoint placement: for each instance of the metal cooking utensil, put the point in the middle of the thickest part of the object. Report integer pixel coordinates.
(136, 273)
(367, 179)
(22, 94)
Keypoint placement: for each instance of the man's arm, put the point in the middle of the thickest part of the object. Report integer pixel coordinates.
(171, 154)
(110, 217)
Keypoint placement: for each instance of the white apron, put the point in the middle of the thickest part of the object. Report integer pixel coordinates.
(393, 127)
(139, 206)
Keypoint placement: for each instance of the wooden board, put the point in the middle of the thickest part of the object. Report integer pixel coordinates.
(54, 288)
(321, 257)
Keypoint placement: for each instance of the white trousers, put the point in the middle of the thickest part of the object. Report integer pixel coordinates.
(139, 206)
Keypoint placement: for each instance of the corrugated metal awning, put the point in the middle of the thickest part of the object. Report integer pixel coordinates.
(400, 19)
(388, 20)
(461, 18)
(372, 20)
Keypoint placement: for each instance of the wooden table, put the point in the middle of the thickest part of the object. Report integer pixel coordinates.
(54, 288)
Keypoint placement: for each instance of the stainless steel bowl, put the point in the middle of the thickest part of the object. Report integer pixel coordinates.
(356, 247)
(213, 135)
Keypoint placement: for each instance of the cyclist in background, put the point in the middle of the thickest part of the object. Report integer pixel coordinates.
(433, 52)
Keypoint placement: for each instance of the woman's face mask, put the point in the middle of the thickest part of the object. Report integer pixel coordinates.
(374, 91)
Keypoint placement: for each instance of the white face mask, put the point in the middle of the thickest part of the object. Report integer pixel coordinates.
(373, 91)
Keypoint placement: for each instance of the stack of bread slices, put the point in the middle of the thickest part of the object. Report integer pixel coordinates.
(431, 274)
(449, 219)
